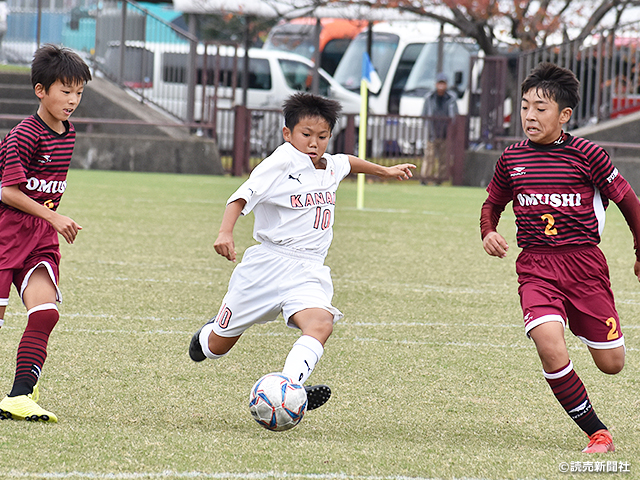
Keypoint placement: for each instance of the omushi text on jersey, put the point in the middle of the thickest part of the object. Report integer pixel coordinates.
(551, 199)
(53, 186)
(313, 199)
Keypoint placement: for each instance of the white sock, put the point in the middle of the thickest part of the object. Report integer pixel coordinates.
(1, 322)
(204, 341)
(302, 358)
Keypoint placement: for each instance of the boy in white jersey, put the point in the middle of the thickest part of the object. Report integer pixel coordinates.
(292, 194)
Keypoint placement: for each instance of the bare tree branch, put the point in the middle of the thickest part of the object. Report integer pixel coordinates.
(481, 20)
(605, 7)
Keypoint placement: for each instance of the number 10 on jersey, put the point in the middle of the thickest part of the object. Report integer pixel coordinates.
(323, 218)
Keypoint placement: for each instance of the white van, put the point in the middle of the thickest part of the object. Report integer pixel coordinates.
(395, 47)
(273, 76)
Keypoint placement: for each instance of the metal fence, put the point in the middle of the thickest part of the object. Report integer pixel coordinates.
(133, 48)
(608, 67)
(168, 67)
(30, 23)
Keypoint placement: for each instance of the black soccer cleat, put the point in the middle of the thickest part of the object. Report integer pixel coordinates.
(195, 349)
(317, 395)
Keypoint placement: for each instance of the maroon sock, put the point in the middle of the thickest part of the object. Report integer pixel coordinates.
(570, 392)
(32, 350)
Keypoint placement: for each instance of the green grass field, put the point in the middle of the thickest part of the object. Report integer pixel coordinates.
(432, 374)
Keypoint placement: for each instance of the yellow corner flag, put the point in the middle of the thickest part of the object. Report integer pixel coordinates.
(370, 82)
(362, 143)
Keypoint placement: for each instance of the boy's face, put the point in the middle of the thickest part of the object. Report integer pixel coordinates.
(542, 120)
(57, 104)
(311, 136)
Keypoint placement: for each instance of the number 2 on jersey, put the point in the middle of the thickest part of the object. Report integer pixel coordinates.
(549, 229)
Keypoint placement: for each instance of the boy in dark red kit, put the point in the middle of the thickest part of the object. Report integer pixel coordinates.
(34, 160)
(560, 186)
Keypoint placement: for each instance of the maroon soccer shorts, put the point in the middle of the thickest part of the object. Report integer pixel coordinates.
(25, 242)
(571, 285)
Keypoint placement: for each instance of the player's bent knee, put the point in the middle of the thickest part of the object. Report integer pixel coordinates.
(317, 323)
(551, 345)
(321, 329)
(220, 346)
(609, 361)
(553, 357)
(611, 367)
(326, 326)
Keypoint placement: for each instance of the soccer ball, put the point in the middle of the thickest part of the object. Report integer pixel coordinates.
(277, 403)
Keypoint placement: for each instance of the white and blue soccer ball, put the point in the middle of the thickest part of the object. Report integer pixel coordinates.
(277, 403)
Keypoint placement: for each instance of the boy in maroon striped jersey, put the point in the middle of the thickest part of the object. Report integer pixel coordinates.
(560, 186)
(34, 160)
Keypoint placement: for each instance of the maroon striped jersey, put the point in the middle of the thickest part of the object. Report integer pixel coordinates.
(559, 191)
(37, 158)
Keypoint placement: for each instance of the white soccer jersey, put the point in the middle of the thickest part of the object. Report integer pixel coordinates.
(292, 201)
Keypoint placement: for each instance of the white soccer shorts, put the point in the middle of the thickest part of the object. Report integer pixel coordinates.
(271, 280)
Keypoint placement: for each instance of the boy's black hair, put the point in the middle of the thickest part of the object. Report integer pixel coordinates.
(302, 105)
(554, 82)
(51, 63)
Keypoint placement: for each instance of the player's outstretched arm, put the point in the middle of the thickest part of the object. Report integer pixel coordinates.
(401, 172)
(65, 226)
(224, 244)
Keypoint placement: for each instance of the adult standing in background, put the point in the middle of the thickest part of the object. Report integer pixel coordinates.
(440, 108)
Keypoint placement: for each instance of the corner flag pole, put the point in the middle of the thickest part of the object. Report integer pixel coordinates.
(362, 142)
(370, 82)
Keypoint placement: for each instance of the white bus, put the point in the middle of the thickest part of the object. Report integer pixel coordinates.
(395, 47)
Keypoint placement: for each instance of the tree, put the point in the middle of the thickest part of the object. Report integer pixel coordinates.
(516, 24)
(233, 28)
